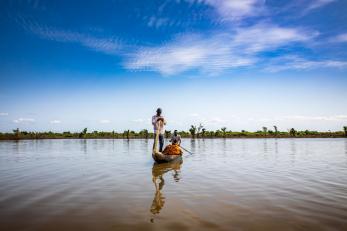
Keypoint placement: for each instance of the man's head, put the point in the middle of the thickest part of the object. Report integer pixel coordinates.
(159, 111)
(175, 132)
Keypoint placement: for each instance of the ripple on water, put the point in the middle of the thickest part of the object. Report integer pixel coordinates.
(243, 184)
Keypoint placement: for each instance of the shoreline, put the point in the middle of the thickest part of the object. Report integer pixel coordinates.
(205, 138)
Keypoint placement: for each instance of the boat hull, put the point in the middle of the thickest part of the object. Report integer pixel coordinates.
(161, 158)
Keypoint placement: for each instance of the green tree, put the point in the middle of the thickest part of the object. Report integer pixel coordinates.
(127, 134)
(199, 129)
(16, 133)
(276, 131)
(192, 131)
(292, 132)
(203, 131)
(84, 133)
(167, 134)
(345, 130)
(217, 133)
(144, 133)
(265, 130)
(223, 131)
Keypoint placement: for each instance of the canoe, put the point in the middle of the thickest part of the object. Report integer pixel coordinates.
(162, 158)
(159, 157)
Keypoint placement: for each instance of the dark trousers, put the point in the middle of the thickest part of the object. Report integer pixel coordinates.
(161, 142)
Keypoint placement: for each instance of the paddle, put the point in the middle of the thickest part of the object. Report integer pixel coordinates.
(186, 150)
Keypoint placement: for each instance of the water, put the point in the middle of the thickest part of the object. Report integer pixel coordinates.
(232, 184)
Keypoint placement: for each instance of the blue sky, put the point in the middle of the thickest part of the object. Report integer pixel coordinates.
(107, 65)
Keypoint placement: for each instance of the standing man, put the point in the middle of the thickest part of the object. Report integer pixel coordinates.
(176, 138)
(159, 127)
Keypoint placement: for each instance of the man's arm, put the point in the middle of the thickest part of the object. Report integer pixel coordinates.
(160, 118)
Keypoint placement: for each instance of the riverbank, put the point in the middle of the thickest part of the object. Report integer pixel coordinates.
(107, 135)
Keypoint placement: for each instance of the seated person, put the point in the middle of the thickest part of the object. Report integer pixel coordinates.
(176, 138)
(172, 149)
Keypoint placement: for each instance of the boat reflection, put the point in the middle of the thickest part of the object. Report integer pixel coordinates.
(158, 171)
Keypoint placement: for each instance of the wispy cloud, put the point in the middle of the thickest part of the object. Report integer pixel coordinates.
(158, 22)
(55, 121)
(218, 52)
(24, 120)
(340, 38)
(209, 53)
(298, 63)
(235, 10)
(107, 45)
(314, 4)
(3, 114)
(263, 37)
(104, 121)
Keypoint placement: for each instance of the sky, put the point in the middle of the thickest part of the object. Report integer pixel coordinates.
(107, 65)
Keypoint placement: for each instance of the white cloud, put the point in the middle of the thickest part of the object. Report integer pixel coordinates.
(263, 37)
(157, 22)
(104, 121)
(341, 38)
(217, 52)
(314, 4)
(235, 9)
(55, 121)
(3, 114)
(24, 120)
(298, 63)
(107, 45)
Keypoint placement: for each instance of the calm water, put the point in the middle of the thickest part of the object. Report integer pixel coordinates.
(238, 184)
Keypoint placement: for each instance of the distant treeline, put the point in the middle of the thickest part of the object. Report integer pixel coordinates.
(193, 132)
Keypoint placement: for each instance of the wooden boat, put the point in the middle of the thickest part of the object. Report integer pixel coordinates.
(159, 157)
(162, 158)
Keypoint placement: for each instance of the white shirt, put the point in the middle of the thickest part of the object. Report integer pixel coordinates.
(154, 123)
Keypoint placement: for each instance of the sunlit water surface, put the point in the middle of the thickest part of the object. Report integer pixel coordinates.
(232, 184)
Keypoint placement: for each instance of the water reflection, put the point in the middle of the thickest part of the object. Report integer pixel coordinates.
(83, 143)
(158, 171)
(282, 184)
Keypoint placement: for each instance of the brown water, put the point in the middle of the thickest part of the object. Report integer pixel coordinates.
(233, 184)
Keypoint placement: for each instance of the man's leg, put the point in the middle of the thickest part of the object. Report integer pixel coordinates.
(161, 142)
